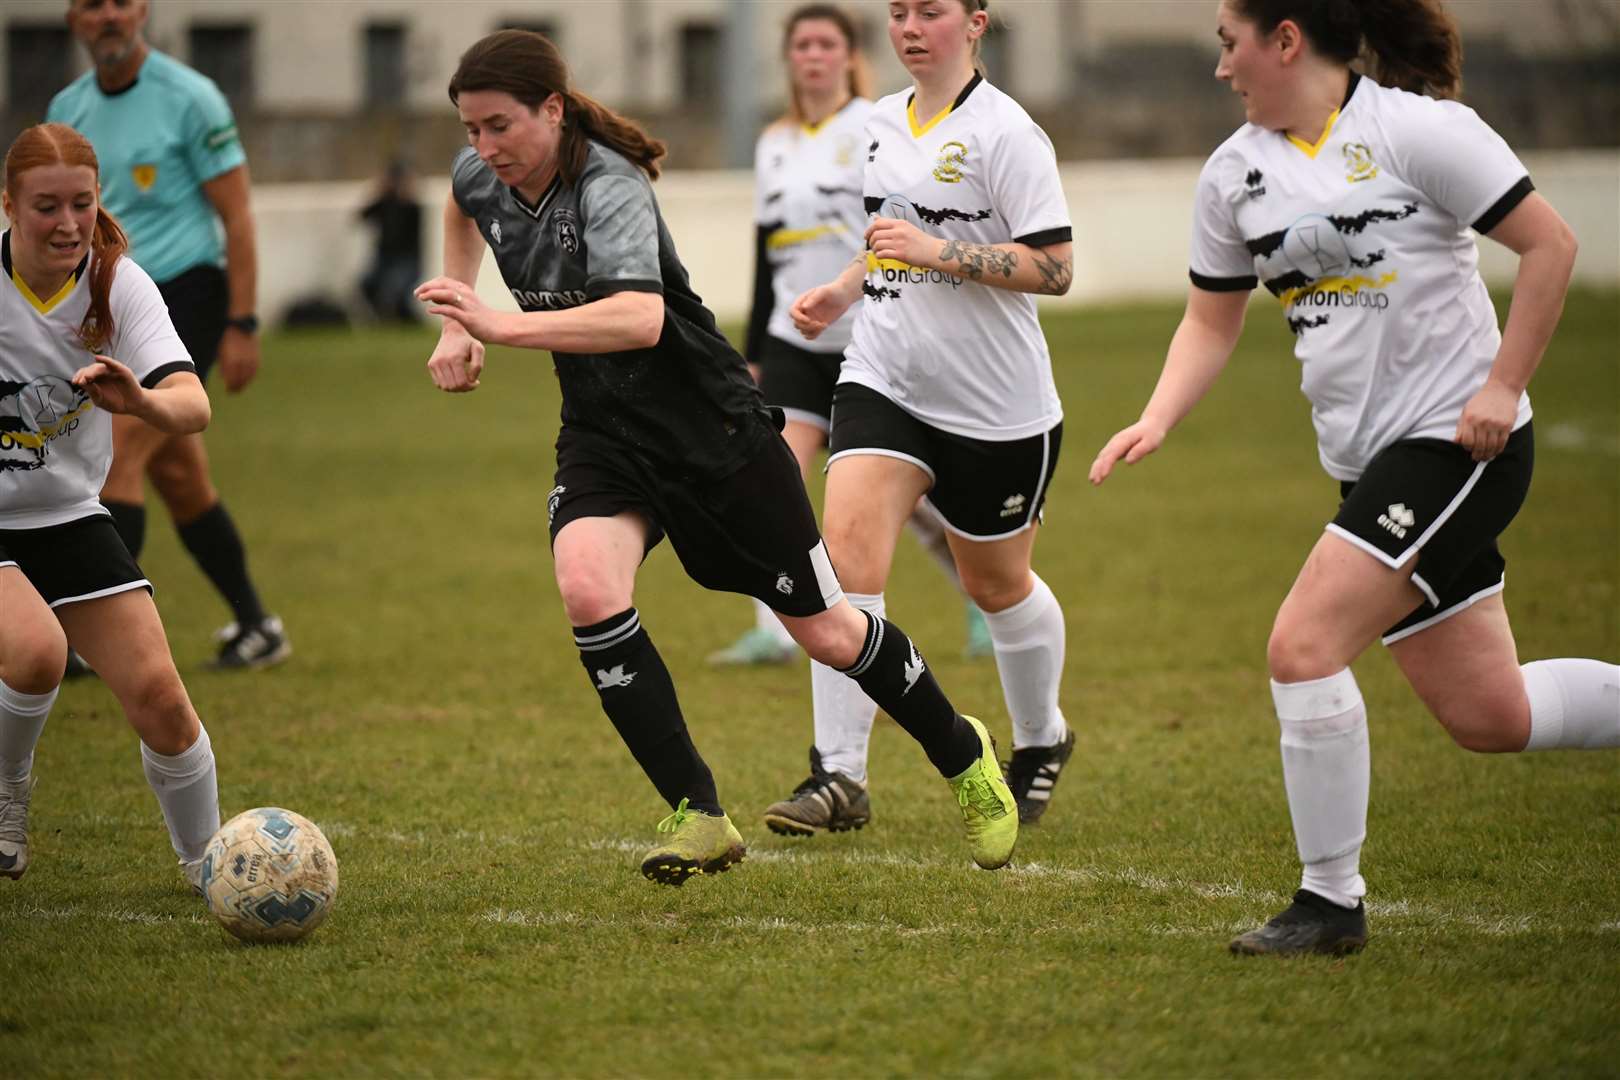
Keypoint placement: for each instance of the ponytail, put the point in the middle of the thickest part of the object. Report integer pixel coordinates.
(584, 119)
(59, 144)
(1414, 42)
(107, 245)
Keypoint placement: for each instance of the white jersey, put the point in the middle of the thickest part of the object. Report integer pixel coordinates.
(55, 446)
(1364, 238)
(807, 193)
(960, 356)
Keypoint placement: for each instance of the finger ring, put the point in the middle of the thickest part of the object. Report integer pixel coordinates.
(458, 300)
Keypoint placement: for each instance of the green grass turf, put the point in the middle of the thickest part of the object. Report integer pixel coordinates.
(491, 921)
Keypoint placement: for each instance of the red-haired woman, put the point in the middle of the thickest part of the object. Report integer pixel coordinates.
(83, 334)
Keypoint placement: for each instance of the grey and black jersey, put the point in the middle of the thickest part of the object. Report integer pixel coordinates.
(688, 402)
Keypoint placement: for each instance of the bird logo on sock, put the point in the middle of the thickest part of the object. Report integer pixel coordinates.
(606, 680)
(914, 669)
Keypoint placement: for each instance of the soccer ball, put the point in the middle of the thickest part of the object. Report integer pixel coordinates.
(269, 875)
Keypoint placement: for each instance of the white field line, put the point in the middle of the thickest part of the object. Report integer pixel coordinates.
(1573, 437)
(73, 912)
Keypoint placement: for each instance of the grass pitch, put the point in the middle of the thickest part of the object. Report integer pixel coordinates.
(435, 721)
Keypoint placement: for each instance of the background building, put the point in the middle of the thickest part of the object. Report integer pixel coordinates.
(327, 90)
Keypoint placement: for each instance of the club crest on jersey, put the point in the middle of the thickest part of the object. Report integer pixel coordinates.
(495, 231)
(844, 152)
(1358, 163)
(144, 176)
(952, 159)
(567, 231)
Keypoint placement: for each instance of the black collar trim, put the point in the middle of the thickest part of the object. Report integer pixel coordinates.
(960, 98)
(538, 208)
(1350, 90)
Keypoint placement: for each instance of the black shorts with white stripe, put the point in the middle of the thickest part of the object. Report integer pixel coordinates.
(77, 560)
(752, 532)
(1431, 498)
(798, 381)
(983, 490)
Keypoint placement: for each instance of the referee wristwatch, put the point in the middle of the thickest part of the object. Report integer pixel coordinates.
(248, 324)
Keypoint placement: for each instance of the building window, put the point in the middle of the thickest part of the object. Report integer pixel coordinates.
(385, 65)
(224, 53)
(39, 62)
(702, 63)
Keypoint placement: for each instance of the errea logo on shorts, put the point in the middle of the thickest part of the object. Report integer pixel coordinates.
(1398, 519)
(1012, 506)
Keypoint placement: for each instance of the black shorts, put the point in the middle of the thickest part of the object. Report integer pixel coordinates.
(1430, 497)
(983, 490)
(751, 532)
(199, 303)
(78, 560)
(798, 381)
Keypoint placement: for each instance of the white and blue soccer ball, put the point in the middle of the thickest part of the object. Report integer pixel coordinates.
(269, 875)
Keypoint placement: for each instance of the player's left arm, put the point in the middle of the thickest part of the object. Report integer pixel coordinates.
(1047, 269)
(1546, 247)
(239, 348)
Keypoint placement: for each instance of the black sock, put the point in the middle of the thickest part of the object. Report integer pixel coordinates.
(214, 542)
(893, 674)
(130, 521)
(639, 697)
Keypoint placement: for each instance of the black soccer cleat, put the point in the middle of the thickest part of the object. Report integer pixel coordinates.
(1033, 773)
(1311, 924)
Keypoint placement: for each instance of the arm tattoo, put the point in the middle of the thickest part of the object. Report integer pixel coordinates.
(1055, 273)
(976, 259)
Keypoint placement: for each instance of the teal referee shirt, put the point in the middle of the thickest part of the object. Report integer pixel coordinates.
(158, 140)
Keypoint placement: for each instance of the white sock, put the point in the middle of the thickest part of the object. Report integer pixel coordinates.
(187, 790)
(1327, 769)
(1574, 704)
(765, 619)
(843, 713)
(22, 718)
(930, 533)
(1029, 640)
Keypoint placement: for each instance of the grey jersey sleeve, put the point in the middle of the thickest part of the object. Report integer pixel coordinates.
(621, 236)
(464, 182)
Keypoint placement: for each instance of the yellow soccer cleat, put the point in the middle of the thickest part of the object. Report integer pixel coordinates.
(699, 843)
(988, 808)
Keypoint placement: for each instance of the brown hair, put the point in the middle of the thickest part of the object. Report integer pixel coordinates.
(58, 144)
(860, 75)
(1415, 42)
(530, 68)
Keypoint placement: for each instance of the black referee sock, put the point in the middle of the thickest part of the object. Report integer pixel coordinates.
(214, 542)
(639, 697)
(130, 521)
(893, 674)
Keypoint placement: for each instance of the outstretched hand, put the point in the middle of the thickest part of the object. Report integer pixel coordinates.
(110, 385)
(1131, 445)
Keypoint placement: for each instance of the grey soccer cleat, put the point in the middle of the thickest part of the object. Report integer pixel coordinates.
(1311, 924)
(262, 645)
(827, 801)
(14, 796)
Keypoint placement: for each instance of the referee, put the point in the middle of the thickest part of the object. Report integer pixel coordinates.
(173, 172)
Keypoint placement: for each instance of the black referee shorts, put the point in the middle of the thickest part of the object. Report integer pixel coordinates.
(752, 531)
(798, 381)
(1430, 497)
(199, 303)
(78, 560)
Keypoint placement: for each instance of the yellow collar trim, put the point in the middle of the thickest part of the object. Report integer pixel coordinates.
(919, 130)
(44, 307)
(1312, 150)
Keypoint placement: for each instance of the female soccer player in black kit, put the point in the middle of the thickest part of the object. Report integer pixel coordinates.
(663, 433)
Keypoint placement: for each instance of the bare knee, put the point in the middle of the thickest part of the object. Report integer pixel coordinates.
(834, 638)
(993, 592)
(34, 665)
(160, 711)
(1294, 656)
(589, 596)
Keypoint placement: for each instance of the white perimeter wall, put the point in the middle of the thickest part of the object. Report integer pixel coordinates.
(1131, 225)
